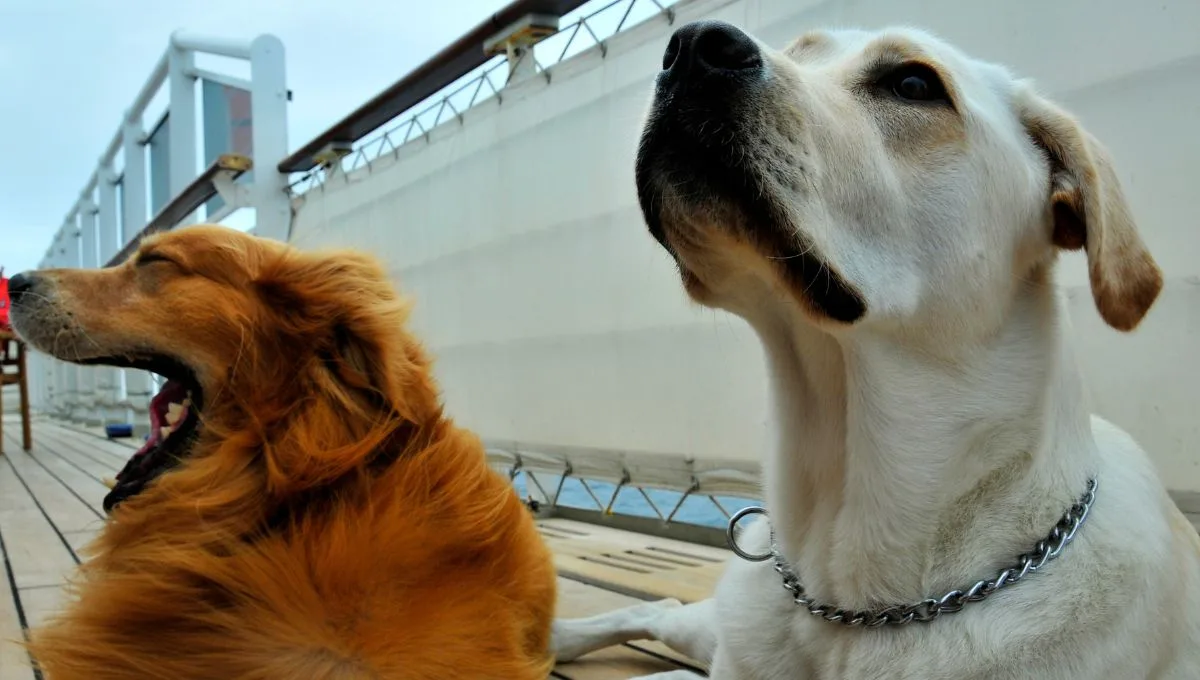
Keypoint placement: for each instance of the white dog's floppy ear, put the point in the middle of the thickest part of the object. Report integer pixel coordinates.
(1090, 211)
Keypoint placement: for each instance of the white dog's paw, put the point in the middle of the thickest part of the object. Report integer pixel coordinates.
(671, 675)
(572, 638)
(658, 606)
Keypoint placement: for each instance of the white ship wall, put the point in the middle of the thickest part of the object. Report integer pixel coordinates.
(556, 319)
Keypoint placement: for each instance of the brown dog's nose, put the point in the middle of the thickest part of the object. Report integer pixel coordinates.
(703, 47)
(19, 285)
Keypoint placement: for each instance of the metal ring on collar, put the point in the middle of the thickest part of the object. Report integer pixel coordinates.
(729, 537)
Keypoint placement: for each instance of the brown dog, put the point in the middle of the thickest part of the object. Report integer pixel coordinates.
(303, 508)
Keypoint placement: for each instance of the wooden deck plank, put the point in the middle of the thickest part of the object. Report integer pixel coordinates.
(14, 661)
(36, 554)
(614, 663)
(633, 563)
(85, 488)
(94, 434)
(109, 452)
(114, 452)
(97, 432)
(634, 540)
(84, 455)
(53, 482)
(39, 603)
(78, 540)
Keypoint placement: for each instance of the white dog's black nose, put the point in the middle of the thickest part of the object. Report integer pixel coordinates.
(704, 47)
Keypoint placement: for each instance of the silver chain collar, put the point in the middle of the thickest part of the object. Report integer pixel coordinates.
(930, 609)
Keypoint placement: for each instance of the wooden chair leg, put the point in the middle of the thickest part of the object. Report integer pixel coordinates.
(26, 425)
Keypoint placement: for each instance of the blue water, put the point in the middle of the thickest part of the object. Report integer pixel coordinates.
(697, 509)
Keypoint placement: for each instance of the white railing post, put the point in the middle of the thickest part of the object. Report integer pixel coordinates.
(109, 241)
(268, 107)
(70, 249)
(45, 363)
(134, 182)
(33, 364)
(33, 368)
(108, 379)
(182, 116)
(88, 214)
(53, 389)
(75, 371)
(61, 369)
(138, 385)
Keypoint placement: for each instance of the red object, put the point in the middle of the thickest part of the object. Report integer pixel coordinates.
(3, 299)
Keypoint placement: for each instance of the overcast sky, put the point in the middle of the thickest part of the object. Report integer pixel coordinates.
(69, 68)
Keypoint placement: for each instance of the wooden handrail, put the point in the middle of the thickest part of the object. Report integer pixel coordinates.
(187, 201)
(447, 66)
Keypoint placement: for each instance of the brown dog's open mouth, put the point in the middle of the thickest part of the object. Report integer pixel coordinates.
(174, 427)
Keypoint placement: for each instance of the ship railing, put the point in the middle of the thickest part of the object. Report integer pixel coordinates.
(524, 40)
(671, 495)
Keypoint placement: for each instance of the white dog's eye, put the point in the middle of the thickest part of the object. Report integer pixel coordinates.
(915, 83)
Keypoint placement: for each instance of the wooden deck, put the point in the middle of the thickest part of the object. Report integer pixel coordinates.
(50, 507)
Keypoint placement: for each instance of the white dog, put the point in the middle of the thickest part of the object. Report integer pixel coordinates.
(886, 213)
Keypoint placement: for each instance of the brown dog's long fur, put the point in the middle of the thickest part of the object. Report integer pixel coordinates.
(330, 522)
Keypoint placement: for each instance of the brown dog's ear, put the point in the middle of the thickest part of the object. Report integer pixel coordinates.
(340, 304)
(1090, 211)
(363, 380)
(356, 363)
